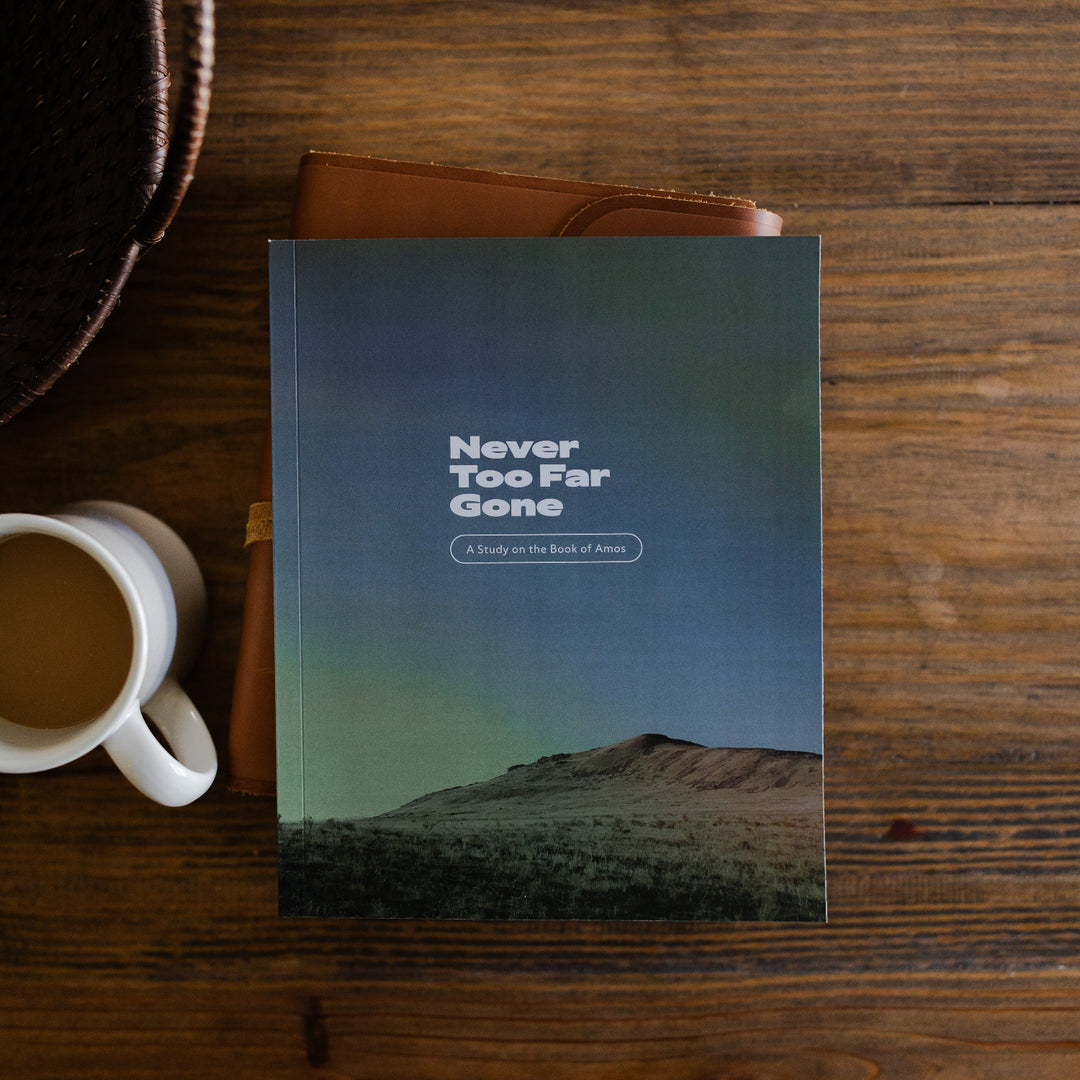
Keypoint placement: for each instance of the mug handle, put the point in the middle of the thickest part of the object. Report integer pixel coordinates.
(169, 780)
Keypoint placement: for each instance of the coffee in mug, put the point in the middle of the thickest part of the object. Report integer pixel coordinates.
(65, 633)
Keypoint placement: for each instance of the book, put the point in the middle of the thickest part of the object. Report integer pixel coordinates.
(547, 578)
(351, 196)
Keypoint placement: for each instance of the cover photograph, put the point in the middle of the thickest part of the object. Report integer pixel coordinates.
(547, 578)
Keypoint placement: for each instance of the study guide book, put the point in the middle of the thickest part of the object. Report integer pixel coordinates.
(547, 566)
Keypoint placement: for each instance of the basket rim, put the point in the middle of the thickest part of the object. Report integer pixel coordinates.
(169, 169)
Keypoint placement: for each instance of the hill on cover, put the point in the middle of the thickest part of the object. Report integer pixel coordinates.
(647, 773)
(650, 828)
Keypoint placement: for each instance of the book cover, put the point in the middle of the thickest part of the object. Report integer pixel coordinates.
(547, 562)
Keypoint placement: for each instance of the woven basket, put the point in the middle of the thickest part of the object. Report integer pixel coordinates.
(89, 175)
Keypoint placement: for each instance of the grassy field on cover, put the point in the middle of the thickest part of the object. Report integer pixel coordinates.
(648, 867)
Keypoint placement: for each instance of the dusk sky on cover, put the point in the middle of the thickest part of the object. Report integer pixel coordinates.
(686, 367)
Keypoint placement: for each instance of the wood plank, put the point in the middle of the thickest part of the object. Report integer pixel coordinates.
(861, 102)
(994, 1028)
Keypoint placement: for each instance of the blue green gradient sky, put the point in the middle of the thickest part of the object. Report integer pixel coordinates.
(686, 366)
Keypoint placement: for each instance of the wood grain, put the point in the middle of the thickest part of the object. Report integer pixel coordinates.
(853, 103)
(935, 149)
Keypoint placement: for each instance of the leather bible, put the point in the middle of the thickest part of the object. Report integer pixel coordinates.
(340, 196)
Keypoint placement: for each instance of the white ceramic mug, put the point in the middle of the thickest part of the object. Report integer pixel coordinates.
(160, 590)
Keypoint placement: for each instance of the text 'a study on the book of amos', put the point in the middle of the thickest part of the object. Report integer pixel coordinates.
(549, 468)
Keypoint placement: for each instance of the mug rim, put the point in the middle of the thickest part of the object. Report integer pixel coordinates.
(34, 749)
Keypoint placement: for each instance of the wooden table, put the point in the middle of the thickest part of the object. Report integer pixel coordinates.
(936, 149)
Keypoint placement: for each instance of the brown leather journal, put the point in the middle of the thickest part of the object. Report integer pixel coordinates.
(339, 196)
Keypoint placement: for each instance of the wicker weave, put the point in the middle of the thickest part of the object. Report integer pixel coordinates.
(89, 175)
